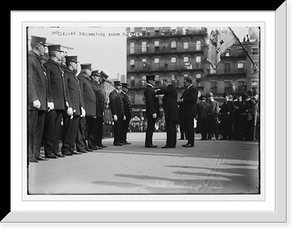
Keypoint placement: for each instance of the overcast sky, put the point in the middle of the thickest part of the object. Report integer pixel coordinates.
(104, 47)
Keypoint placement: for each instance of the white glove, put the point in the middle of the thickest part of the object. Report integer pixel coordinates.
(37, 103)
(154, 115)
(70, 111)
(50, 106)
(83, 113)
(124, 117)
(115, 118)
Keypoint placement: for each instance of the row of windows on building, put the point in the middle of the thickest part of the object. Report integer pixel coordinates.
(173, 44)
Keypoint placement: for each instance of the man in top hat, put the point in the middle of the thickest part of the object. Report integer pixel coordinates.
(171, 110)
(70, 123)
(226, 117)
(61, 102)
(127, 112)
(117, 110)
(188, 110)
(37, 98)
(152, 110)
(89, 98)
(97, 131)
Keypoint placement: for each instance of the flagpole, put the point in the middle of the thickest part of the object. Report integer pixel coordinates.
(244, 49)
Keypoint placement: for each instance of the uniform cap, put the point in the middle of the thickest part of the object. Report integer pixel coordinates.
(71, 59)
(37, 39)
(86, 66)
(54, 47)
(117, 83)
(103, 74)
(150, 77)
(95, 73)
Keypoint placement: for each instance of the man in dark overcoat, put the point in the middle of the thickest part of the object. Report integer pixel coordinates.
(171, 111)
(127, 112)
(117, 111)
(203, 115)
(61, 102)
(89, 98)
(152, 110)
(188, 110)
(70, 123)
(37, 98)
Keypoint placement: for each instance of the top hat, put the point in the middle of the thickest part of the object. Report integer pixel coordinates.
(103, 74)
(150, 77)
(95, 73)
(37, 39)
(54, 47)
(86, 66)
(71, 59)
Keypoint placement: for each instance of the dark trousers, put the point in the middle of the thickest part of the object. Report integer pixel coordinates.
(171, 133)
(52, 131)
(81, 135)
(35, 129)
(96, 133)
(149, 131)
(124, 130)
(70, 128)
(188, 124)
(117, 130)
(90, 129)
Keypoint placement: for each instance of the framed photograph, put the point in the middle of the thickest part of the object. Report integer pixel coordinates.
(177, 164)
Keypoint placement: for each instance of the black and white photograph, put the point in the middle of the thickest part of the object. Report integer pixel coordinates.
(159, 109)
(150, 116)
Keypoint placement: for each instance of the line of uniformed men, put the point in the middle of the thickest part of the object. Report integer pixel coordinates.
(56, 94)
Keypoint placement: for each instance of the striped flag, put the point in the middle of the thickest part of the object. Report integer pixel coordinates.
(220, 39)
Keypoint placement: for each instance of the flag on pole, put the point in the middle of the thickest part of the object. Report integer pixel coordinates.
(220, 39)
(253, 33)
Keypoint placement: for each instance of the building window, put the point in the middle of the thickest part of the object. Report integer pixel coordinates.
(227, 86)
(198, 76)
(132, 47)
(132, 80)
(173, 44)
(226, 68)
(144, 46)
(144, 62)
(254, 70)
(156, 60)
(157, 82)
(173, 59)
(213, 86)
(198, 45)
(241, 86)
(254, 51)
(185, 59)
(185, 45)
(132, 97)
(156, 44)
(132, 62)
(198, 59)
(240, 66)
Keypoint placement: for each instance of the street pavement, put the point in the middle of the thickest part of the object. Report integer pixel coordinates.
(210, 167)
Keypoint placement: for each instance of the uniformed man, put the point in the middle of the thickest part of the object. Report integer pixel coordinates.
(89, 98)
(70, 123)
(96, 136)
(128, 113)
(59, 93)
(37, 98)
(117, 110)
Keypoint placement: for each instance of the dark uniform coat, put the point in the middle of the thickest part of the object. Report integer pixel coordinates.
(100, 98)
(74, 89)
(152, 102)
(188, 109)
(37, 82)
(88, 94)
(116, 104)
(127, 106)
(170, 105)
(57, 85)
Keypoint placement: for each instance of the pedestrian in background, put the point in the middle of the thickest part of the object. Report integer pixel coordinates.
(203, 114)
(37, 99)
(188, 110)
(213, 121)
(152, 110)
(171, 111)
(226, 117)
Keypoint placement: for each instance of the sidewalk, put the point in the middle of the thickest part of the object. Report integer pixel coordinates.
(212, 166)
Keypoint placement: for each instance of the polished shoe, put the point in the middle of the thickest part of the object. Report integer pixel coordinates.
(67, 153)
(188, 145)
(42, 158)
(103, 146)
(118, 144)
(99, 147)
(151, 146)
(59, 154)
(51, 156)
(126, 143)
(76, 153)
(89, 150)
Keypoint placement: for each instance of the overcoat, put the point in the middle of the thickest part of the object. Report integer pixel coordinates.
(100, 98)
(152, 102)
(188, 108)
(116, 104)
(88, 94)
